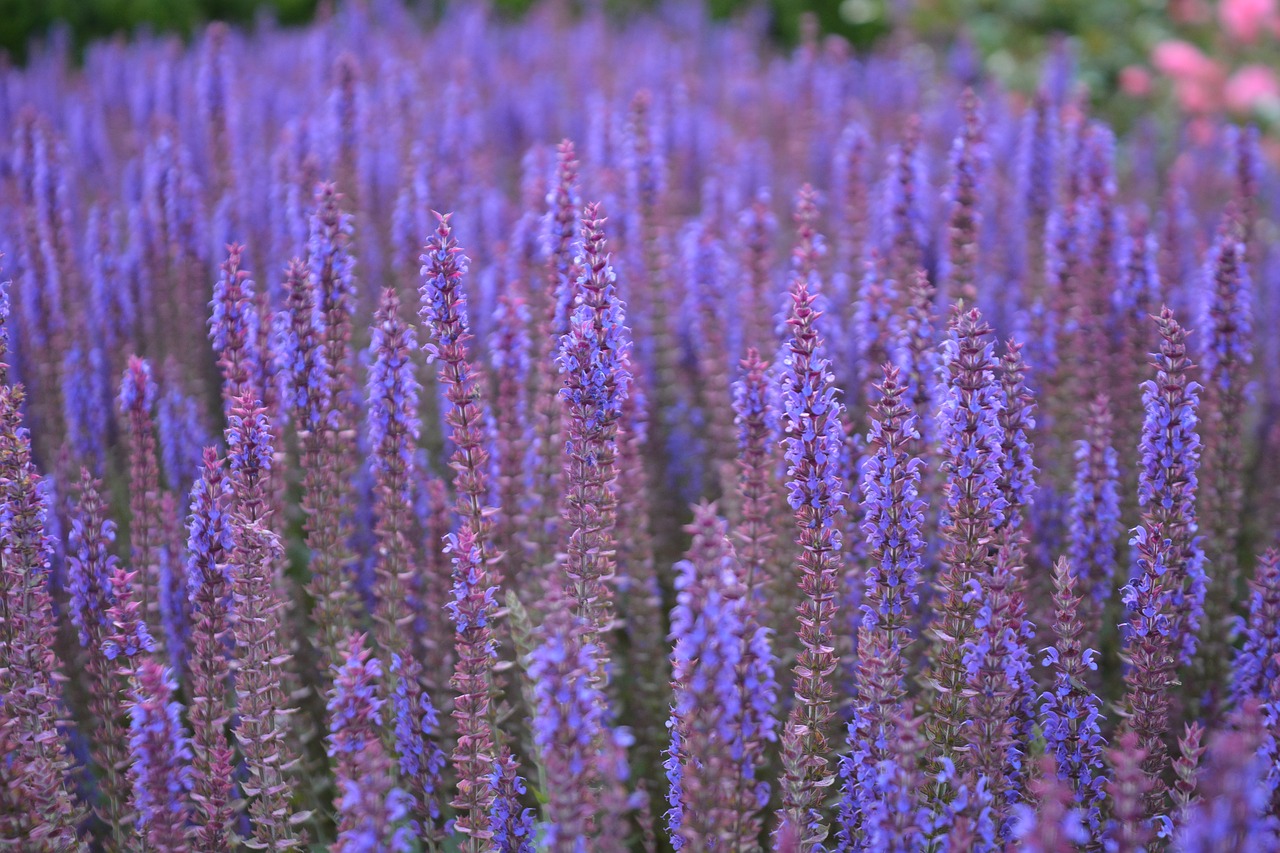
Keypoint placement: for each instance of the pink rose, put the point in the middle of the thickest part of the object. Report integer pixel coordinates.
(1184, 61)
(1135, 81)
(1244, 20)
(1251, 86)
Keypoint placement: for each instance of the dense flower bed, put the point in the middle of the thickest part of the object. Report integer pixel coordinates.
(784, 452)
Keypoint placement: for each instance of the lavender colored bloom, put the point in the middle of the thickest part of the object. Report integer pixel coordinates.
(85, 401)
(370, 807)
(299, 351)
(1234, 812)
(571, 728)
(36, 761)
(161, 756)
(1151, 651)
(234, 329)
(209, 588)
(1256, 676)
(137, 402)
(1255, 663)
(181, 434)
(512, 825)
(1071, 713)
(893, 516)
(473, 610)
(594, 361)
(1094, 514)
(392, 390)
(998, 684)
(419, 758)
(90, 567)
(814, 445)
(1228, 359)
(1052, 824)
(722, 712)
(1167, 480)
(973, 509)
(1017, 423)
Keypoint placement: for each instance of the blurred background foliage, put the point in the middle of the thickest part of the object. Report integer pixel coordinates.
(1114, 44)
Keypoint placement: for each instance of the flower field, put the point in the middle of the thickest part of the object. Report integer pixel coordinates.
(758, 449)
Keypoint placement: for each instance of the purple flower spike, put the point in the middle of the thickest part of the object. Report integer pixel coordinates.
(973, 509)
(262, 676)
(36, 763)
(137, 407)
(161, 755)
(893, 516)
(90, 570)
(473, 609)
(722, 712)
(571, 729)
(371, 809)
(816, 492)
(1167, 479)
(1093, 521)
(233, 329)
(1228, 359)
(1071, 713)
(594, 360)
(1151, 653)
(209, 587)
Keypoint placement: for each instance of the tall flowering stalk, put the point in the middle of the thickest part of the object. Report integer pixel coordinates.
(90, 568)
(137, 406)
(552, 305)
(916, 353)
(37, 803)
(814, 438)
(475, 586)
(1151, 652)
(511, 359)
(1129, 829)
(392, 397)
(1256, 671)
(209, 586)
(1167, 480)
(1071, 713)
(1234, 811)
(261, 657)
(1093, 517)
(593, 359)
(758, 433)
(757, 227)
(161, 754)
(1017, 424)
(308, 398)
(722, 713)
(1228, 358)
(892, 522)
(1256, 666)
(476, 752)
(965, 220)
(973, 510)
(332, 286)
(572, 733)
(998, 683)
(443, 312)
(370, 807)
(233, 330)
(1051, 825)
